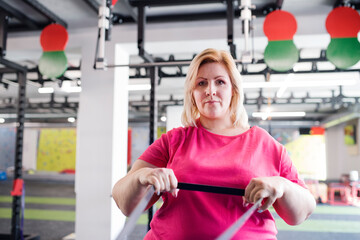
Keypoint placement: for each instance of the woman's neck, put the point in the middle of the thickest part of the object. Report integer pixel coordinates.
(221, 126)
(216, 124)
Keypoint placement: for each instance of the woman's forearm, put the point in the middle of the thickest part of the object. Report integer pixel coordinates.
(296, 204)
(128, 191)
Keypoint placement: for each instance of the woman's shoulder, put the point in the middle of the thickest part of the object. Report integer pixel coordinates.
(260, 131)
(178, 132)
(263, 134)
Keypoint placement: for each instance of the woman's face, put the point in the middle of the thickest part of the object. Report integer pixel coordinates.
(213, 91)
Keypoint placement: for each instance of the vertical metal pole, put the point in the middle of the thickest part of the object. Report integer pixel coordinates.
(4, 19)
(16, 205)
(153, 120)
(141, 29)
(230, 14)
(141, 34)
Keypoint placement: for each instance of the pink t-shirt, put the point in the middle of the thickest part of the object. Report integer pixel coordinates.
(201, 157)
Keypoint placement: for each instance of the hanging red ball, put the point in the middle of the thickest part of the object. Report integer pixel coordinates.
(343, 22)
(280, 25)
(54, 37)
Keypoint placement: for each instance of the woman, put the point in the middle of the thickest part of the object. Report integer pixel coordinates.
(216, 147)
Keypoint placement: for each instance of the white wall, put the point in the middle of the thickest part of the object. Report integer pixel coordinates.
(101, 155)
(340, 159)
(30, 148)
(173, 117)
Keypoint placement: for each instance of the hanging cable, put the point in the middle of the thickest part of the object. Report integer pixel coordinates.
(246, 17)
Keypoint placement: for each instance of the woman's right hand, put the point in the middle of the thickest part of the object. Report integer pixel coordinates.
(163, 179)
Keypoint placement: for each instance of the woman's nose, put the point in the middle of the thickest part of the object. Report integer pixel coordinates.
(210, 91)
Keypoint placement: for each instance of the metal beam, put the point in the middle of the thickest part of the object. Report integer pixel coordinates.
(93, 4)
(12, 65)
(230, 27)
(271, 7)
(46, 12)
(181, 17)
(19, 15)
(17, 199)
(129, 9)
(153, 3)
(354, 4)
(4, 19)
(153, 121)
(279, 3)
(141, 35)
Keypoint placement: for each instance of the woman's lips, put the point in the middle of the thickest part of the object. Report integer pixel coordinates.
(212, 101)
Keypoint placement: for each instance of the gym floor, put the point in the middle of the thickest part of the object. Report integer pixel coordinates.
(50, 214)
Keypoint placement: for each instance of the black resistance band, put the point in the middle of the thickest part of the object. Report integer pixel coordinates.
(211, 189)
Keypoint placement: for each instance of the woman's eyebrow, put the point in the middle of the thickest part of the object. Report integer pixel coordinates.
(204, 78)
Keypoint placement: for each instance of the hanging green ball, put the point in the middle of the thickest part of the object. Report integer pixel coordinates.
(343, 52)
(53, 64)
(281, 55)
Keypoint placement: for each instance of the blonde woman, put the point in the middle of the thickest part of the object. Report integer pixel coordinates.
(215, 147)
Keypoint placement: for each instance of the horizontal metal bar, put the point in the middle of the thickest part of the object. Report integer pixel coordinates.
(181, 17)
(51, 16)
(12, 65)
(93, 4)
(13, 12)
(211, 189)
(137, 3)
(157, 64)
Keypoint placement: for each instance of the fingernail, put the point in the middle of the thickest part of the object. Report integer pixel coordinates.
(158, 193)
(246, 204)
(260, 211)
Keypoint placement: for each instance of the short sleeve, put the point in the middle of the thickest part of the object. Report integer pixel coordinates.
(158, 152)
(288, 170)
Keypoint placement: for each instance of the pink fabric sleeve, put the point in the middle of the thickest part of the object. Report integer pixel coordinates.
(288, 170)
(158, 152)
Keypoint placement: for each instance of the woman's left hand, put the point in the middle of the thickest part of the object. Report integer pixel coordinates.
(267, 188)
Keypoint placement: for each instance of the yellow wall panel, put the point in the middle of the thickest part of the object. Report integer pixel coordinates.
(57, 150)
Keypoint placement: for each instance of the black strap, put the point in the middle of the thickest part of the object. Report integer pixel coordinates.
(211, 189)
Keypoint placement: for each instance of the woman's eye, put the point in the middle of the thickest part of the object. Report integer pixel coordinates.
(220, 82)
(202, 83)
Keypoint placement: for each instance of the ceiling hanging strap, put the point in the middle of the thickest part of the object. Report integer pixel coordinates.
(246, 17)
(103, 34)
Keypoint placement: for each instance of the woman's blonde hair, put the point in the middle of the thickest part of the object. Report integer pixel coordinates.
(237, 109)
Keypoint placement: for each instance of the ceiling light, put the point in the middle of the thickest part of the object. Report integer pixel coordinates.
(278, 114)
(139, 87)
(283, 88)
(163, 118)
(302, 66)
(315, 83)
(46, 90)
(71, 89)
(2, 120)
(71, 119)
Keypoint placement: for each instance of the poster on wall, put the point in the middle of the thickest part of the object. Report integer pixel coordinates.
(350, 135)
(57, 150)
(309, 155)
